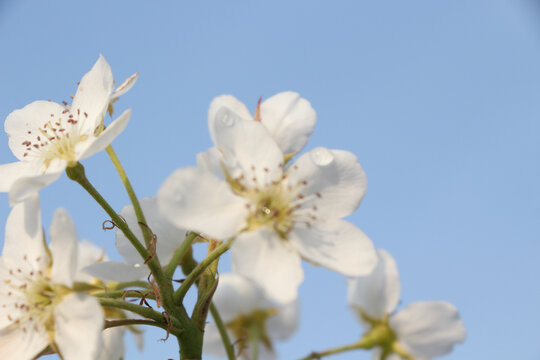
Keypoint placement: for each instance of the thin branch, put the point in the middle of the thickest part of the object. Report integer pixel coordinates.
(179, 254)
(198, 270)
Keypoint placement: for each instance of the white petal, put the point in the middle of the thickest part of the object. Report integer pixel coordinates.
(64, 248)
(93, 95)
(88, 254)
(20, 345)
(116, 271)
(125, 86)
(24, 242)
(113, 344)
(283, 325)
(337, 245)
(94, 145)
(335, 176)
(169, 237)
(248, 149)
(237, 295)
(269, 261)
(30, 118)
(377, 293)
(228, 102)
(78, 321)
(28, 186)
(290, 119)
(211, 160)
(14, 171)
(197, 200)
(428, 329)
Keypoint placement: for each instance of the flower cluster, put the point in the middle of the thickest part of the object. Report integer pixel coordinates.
(252, 193)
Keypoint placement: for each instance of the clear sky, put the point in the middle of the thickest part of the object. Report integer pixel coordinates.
(440, 101)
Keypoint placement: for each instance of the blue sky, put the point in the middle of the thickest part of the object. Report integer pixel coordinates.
(438, 99)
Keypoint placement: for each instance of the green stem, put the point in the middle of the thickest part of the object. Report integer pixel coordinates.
(131, 193)
(165, 288)
(116, 294)
(189, 335)
(137, 309)
(76, 173)
(179, 254)
(123, 285)
(362, 344)
(199, 269)
(131, 322)
(229, 349)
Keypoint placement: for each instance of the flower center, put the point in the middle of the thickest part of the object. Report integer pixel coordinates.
(33, 297)
(56, 139)
(273, 207)
(41, 298)
(277, 204)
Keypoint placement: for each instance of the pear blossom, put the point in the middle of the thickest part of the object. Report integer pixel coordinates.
(46, 137)
(421, 330)
(278, 214)
(168, 238)
(249, 316)
(38, 306)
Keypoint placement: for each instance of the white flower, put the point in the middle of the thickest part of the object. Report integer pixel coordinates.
(421, 330)
(244, 310)
(278, 214)
(37, 304)
(47, 137)
(168, 238)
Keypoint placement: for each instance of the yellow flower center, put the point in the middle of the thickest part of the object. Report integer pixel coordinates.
(34, 296)
(272, 206)
(56, 139)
